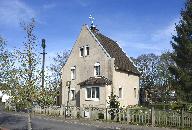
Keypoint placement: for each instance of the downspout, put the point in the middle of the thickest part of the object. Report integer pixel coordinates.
(111, 75)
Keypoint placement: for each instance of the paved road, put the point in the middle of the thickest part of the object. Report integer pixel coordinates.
(15, 122)
(12, 121)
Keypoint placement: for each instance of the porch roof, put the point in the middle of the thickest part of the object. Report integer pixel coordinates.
(98, 80)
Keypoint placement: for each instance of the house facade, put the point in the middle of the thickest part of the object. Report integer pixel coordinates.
(96, 67)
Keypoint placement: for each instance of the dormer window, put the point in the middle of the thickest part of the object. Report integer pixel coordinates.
(86, 50)
(97, 69)
(73, 72)
(81, 51)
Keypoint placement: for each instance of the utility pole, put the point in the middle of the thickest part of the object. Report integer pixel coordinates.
(43, 45)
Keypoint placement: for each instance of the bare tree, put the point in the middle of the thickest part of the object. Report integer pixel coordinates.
(58, 62)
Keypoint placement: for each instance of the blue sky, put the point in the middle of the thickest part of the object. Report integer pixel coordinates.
(140, 26)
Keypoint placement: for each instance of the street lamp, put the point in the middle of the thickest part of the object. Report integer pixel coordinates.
(43, 45)
(68, 83)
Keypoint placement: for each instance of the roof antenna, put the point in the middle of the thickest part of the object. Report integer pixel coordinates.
(92, 20)
(93, 27)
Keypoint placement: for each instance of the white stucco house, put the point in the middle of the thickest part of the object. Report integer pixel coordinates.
(96, 67)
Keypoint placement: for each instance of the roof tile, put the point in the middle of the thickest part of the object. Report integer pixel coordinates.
(122, 62)
(99, 80)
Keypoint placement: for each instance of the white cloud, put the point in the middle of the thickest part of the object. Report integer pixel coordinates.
(49, 6)
(145, 46)
(12, 11)
(83, 3)
(138, 42)
(166, 32)
(138, 48)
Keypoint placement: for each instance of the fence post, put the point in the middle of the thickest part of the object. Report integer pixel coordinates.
(90, 113)
(44, 110)
(182, 118)
(64, 111)
(39, 110)
(33, 110)
(128, 115)
(48, 111)
(61, 110)
(117, 114)
(106, 114)
(81, 112)
(152, 116)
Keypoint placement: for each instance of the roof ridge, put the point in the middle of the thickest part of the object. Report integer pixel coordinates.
(114, 43)
(97, 41)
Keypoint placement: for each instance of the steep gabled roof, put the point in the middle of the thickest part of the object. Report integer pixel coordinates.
(122, 62)
(99, 80)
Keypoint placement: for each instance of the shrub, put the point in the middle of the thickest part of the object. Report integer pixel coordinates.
(114, 105)
(100, 115)
(78, 115)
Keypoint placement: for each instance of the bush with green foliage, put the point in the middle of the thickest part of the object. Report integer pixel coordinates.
(100, 116)
(114, 105)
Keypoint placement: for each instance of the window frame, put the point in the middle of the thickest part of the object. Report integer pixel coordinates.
(97, 92)
(81, 51)
(73, 73)
(120, 94)
(73, 94)
(87, 50)
(135, 92)
(97, 65)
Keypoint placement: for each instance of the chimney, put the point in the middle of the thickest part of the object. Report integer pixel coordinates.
(94, 29)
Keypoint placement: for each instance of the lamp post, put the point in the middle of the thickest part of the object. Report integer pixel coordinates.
(68, 83)
(43, 45)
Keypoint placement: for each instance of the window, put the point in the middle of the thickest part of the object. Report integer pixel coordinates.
(135, 93)
(88, 92)
(92, 93)
(97, 69)
(120, 93)
(73, 94)
(81, 51)
(73, 73)
(86, 50)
